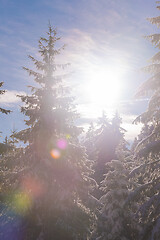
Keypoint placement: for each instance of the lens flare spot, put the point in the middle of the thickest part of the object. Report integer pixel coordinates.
(55, 153)
(62, 143)
(68, 136)
(33, 187)
(10, 224)
(21, 203)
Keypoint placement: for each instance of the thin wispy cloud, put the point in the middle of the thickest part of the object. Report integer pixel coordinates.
(10, 98)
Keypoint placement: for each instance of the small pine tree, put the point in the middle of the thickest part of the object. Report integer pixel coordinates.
(118, 131)
(5, 146)
(89, 142)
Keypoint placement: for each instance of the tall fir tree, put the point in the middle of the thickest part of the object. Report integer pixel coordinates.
(56, 174)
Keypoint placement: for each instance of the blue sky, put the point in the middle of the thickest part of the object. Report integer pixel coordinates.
(97, 33)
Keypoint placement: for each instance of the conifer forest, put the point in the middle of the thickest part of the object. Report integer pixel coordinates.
(69, 170)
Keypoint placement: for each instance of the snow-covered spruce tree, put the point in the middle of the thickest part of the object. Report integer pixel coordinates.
(11, 161)
(116, 220)
(54, 161)
(147, 151)
(107, 137)
(10, 156)
(152, 86)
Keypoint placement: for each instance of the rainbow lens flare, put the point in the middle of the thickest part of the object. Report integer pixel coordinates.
(21, 203)
(55, 153)
(33, 187)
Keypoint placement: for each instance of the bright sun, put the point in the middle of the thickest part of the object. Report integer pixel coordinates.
(104, 87)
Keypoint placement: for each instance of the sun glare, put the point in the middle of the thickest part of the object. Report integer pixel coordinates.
(104, 87)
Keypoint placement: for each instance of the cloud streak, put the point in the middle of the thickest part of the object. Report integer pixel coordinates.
(10, 98)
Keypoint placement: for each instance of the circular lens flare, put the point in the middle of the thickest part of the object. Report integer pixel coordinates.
(55, 153)
(62, 144)
(33, 187)
(68, 136)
